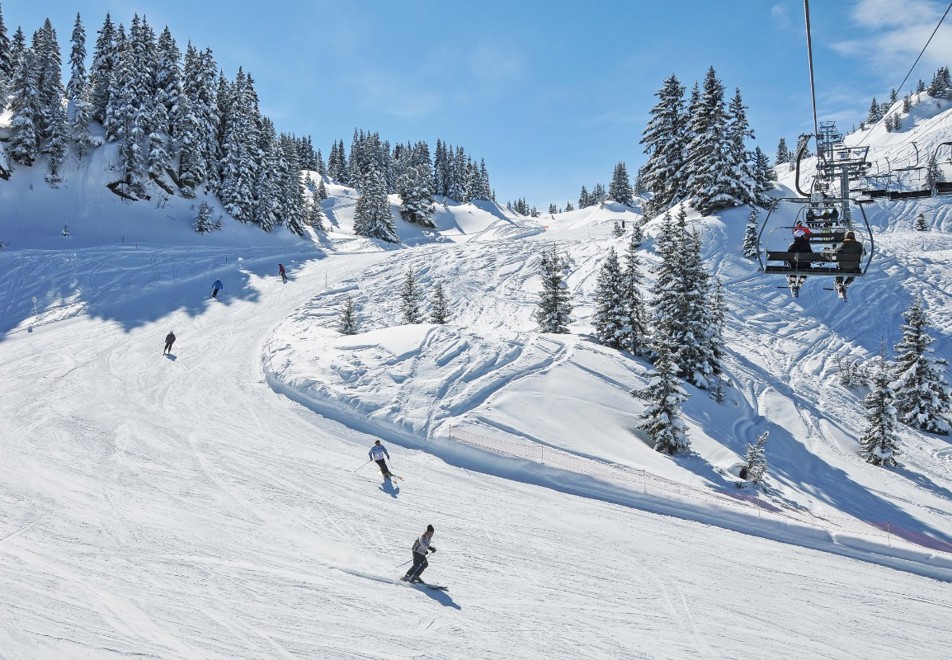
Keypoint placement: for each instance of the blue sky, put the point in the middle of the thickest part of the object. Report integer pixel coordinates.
(550, 93)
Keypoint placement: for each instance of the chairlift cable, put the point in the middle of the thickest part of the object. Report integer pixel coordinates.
(911, 69)
(806, 13)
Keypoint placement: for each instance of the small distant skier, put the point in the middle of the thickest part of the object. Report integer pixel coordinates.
(282, 273)
(420, 547)
(169, 340)
(216, 287)
(377, 454)
(65, 230)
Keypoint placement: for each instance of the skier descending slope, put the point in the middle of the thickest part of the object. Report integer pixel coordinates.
(420, 547)
(377, 453)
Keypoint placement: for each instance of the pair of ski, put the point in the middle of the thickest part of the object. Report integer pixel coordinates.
(427, 585)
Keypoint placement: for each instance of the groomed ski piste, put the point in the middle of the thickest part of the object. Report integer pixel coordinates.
(217, 502)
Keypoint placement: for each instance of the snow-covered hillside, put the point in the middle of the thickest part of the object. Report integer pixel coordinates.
(217, 502)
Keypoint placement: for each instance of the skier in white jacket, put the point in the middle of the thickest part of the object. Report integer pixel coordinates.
(377, 454)
(420, 547)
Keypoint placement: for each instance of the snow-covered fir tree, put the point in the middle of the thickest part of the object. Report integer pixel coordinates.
(6, 62)
(745, 185)
(921, 395)
(348, 324)
(416, 195)
(79, 108)
(291, 192)
(410, 305)
(664, 139)
(554, 312)
(682, 313)
(783, 157)
(934, 174)
(710, 161)
(941, 85)
(764, 178)
(439, 305)
(372, 216)
(102, 68)
(635, 334)
(662, 414)
(751, 247)
(879, 443)
(240, 149)
(23, 144)
(610, 314)
(204, 222)
(755, 468)
(919, 224)
(619, 189)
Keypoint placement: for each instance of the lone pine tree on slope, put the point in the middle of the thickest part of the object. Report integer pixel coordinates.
(756, 468)
(410, 299)
(879, 444)
(922, 397)
(439, 306)
(635, 332)
(750, 235)
(554, 312)
(662, 415)
(348, 323)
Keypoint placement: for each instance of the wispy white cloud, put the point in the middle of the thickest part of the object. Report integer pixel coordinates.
(893, 35)
(781, 16)
(496, 63)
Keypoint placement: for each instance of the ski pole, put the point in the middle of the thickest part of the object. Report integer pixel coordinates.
(363, 465)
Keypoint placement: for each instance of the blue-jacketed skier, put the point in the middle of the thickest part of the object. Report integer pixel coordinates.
(420, 547)
(377, 454)
(216, 287)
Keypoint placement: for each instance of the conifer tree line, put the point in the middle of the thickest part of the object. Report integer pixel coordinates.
(179, 124)
(697, 150)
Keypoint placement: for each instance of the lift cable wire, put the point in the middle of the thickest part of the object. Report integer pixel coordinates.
(806, 13)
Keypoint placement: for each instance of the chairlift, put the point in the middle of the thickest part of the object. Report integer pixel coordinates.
(823, 227)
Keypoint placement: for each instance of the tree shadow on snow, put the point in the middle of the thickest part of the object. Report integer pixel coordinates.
(132, 286)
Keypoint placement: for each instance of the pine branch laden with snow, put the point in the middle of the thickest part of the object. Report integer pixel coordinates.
(756, 460)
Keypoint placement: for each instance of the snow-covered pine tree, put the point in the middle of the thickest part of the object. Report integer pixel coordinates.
(569, 207)
(554, 312)
(784, 157)
(348, 323)
(879, 444)
(79, 108)
(610, 313)
(52, 131)
(710, 161)
(416, 196)
(410, 306)
(267, 190)
(101, 70)
(291, 192)
(751, 248)
(919, 224)
(203, 221)
(619, 189)
(23, 145)
(584, 199)
(241, 155)
(746, 184)
(662, 416)
(664, 140)
(372, 216)
(756, 460)
(921, 395)
(635, 333)
(6, 62)
(764, 177)
(875, 112)
(439, 306)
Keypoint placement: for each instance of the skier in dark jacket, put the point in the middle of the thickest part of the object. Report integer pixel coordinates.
(377, 453)
(282, 273)
(169, 340)
(420, 547)
(216, 287)
(801, 244)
